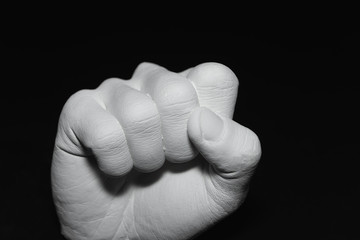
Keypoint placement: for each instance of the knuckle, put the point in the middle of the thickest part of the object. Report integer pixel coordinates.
(175, 92)
(252, 147)
(136, 110)
(108, 84)
(106, 135)
(79, 95)
(76, 102)
(139, 113)
(70, 126)
(143, 66)
(214, 74)
(71, 113)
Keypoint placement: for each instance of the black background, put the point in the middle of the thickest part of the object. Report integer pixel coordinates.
(298, 91)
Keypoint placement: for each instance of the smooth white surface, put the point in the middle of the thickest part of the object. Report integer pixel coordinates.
(157, 114)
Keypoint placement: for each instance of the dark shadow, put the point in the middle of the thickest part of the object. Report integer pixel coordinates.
(113, 185)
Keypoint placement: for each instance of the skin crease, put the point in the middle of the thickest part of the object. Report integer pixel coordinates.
(126, 162)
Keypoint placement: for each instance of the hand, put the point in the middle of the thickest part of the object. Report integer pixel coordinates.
(110, 179)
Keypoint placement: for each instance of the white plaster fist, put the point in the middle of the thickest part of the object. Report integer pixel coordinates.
(126, 162)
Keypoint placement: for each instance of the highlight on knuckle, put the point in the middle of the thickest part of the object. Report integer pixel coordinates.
(214, 74)
(176, 93)
(76, 102)
(108, 84)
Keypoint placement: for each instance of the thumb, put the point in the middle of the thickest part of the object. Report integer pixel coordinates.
(232, 149)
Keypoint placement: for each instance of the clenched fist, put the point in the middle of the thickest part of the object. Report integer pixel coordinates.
(126, 162)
